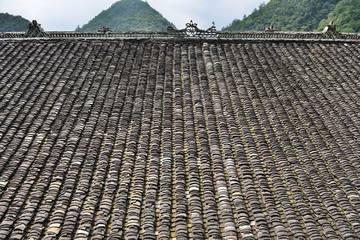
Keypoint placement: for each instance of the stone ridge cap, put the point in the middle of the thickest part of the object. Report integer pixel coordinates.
(218, 35)
(182, 41)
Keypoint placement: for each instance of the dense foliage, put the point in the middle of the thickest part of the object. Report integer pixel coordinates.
(346, 16)
(11, 23)
(286, 15)
(128, 15)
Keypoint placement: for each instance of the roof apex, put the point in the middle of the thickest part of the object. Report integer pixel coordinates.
(190, 32)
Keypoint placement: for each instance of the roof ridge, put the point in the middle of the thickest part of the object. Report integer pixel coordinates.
(190, 32)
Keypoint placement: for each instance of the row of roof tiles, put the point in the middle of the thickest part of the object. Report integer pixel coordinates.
(157, 139)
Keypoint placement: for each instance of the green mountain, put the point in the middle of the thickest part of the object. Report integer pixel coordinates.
(11, 23)
(346, 16)
(128, 15)
(287, 15)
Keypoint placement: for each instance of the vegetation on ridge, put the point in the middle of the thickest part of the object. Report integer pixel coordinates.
(11, 23)
(286, 15)
(346, 16)
(127, 15)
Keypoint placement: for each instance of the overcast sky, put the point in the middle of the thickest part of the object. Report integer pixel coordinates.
(66, 15)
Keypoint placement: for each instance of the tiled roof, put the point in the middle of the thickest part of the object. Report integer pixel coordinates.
(165, 139)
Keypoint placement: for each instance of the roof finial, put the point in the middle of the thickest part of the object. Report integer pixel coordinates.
(35, 30)
(104, 30)
(212, 28)
(270, 29)
(192, 30)
(330, 30)
(331, 27)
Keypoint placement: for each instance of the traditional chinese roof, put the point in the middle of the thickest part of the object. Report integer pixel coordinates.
(164, 138)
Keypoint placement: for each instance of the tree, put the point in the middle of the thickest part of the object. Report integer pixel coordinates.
(346, 15)
(286, 15)
(128, 15)
(11, 23)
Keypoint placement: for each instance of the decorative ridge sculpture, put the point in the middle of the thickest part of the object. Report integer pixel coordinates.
(330, 31)
(192, 30)
(271, 29)
(35, 30)
(104, 30)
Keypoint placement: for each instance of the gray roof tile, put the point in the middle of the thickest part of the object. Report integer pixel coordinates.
(160, 138)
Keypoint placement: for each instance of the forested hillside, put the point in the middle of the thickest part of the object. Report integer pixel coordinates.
(287, 15)
(128, 15)
(346, 16)
(11, 23)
